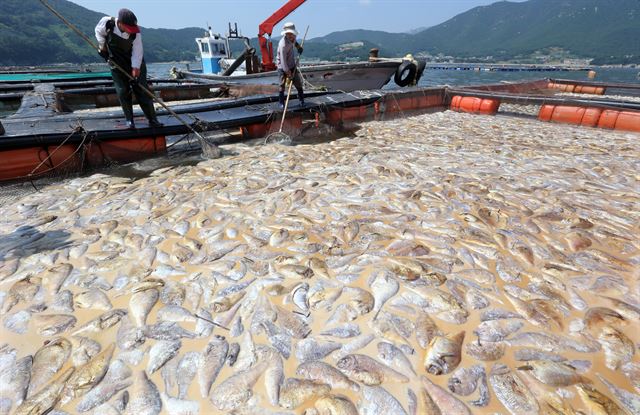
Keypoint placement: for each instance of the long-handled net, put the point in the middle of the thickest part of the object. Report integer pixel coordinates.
(280, 137)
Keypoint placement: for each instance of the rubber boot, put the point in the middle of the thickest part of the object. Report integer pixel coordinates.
(301, 98)
(281, 99)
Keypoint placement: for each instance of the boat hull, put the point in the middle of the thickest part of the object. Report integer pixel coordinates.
(336, 77)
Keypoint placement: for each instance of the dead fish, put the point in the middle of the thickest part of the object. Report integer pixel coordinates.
(294, 392)
(618, 348)
(411, 270)
(426, 329)
(512, 392)
(553, 373)
(321, 372)
(175, 313)
(487, 351)
(342, 331)
(102, 322)
(273, 373)
(116, 380)
(528, 354)
(47, 398)
(141, 303)
(292, 323)
(629, 400)
(213, 358)
(129, 336)
(497, 330)
(377, 401)
(144, 396)
(311, 349)
(186, 371)
(88, 375)
(225, 303)
(54, 278)
(368, 371)
(53, 324)
(15, 376)
(335, 405)
(598, 403)
(93, 299)
(22, 291)
(175, 406)
(445, 402)
(84, 349)
(393, 356)
(169, 375)
(161, 352)
(383, 288)
(444, 354)
(47, 361)
(166, 330)
(234, 391)
(361, 300)
(355, 345)
(464, 381)
(597, 316)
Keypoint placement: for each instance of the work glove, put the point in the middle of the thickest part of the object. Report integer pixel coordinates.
(104, 53)
(300, 49)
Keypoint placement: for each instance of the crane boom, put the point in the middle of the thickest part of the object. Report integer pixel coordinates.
(266, 28)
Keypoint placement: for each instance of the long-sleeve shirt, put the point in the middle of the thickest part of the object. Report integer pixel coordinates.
(101, 34)
(286, 57)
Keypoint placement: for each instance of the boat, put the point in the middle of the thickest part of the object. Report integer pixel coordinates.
(39, 141)
(218, 65)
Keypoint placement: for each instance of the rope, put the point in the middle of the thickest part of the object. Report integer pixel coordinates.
(129, 77)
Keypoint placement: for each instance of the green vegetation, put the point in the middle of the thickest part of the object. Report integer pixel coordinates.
(31, 35)
(606, 31)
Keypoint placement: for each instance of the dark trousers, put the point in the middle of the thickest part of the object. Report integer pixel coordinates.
(125, 89)
(297, 82)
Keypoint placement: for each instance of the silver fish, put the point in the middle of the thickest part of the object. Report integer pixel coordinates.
(512, 392)
(145, 398)
(213, 358)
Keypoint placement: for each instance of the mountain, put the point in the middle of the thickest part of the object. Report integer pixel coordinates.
(604, 29)
(607, 30)
(31, 35)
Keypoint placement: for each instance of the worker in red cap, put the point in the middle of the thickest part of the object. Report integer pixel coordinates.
(119, 40)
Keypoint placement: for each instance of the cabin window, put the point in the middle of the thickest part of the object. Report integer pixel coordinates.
(204, 47)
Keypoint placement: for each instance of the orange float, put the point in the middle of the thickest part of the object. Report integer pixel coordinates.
(570, 115)
(475, 105)
(37, 161)
(620, 120)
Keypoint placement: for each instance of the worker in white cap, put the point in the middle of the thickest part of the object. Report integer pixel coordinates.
(286, 62)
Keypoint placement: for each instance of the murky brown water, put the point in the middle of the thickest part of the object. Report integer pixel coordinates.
(547, 213)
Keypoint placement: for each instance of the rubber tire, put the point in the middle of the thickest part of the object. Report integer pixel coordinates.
(401, 78)
(422, 65)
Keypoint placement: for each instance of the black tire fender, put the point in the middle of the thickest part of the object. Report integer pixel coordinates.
(405, 74)
(422, 65)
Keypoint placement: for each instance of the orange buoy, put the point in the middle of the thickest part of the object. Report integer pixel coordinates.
(570, 115)
(475, 105)
(36, 161)
(620, 120)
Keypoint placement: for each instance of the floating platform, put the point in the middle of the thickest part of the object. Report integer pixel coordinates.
(38, 140)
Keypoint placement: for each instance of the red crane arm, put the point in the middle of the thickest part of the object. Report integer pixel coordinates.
(266, 28)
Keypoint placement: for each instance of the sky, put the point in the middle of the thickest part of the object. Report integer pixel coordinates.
(322, 16)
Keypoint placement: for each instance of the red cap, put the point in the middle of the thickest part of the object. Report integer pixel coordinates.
(130, 29)
(128, 20)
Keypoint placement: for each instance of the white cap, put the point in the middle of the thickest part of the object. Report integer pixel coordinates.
(289, 28)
